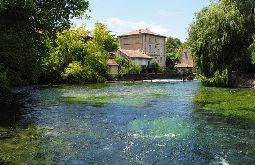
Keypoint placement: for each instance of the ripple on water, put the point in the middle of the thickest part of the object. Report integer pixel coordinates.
(170, 128)
(121, 123)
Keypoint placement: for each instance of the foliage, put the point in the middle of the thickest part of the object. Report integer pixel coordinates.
(252, 50)
(220, 37)
(154, 68)
(74, 72)
(26, 29)
(247, 10)
(233, 104)
(172, 49)
(70, 46)
(80, 58)
(220, 79)
(103, 38)
(127, 66)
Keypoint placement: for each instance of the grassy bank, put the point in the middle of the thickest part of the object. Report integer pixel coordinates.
(232, 104)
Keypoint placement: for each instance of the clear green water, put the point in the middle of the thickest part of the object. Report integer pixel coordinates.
(126, 123)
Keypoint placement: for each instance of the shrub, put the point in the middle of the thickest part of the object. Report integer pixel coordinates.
(77, 73)
(74, 73)
(219, 79)
(127, 66)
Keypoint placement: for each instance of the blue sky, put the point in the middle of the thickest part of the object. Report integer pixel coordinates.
(167, 17)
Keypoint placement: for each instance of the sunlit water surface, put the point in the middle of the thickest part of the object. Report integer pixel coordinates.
(119, 123)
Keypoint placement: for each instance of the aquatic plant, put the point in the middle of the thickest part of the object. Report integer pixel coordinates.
(235, 104)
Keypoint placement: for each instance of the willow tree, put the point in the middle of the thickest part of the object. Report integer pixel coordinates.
(252, 50)
(218, 38)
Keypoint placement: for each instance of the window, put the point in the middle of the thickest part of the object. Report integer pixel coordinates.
(161, 59)
(156, 58)
(150, 48)
(149, 39)
(161, 50)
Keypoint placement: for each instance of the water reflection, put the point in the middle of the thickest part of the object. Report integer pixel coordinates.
(127, 123)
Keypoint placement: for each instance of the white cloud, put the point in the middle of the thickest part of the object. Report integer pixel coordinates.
(123, 26)
(120, 26)
(166, 13)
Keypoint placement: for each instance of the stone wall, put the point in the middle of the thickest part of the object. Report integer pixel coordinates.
(242, 80)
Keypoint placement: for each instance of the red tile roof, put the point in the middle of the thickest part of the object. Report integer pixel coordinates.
(134, 54)
(142, 31)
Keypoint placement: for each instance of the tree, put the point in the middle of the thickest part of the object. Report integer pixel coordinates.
(172, 46)
(103, 38)
(26, 27)
(252, 50)
(80, 57)
(247, 9)
(218, 40)
(70, 45)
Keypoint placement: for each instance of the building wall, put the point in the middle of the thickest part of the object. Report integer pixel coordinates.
(139, 61)
(151, 45)
(133, 42)
(154, 46)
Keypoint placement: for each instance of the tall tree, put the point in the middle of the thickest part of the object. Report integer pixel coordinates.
(218, 39)
(172, 46)
(26, 27)
(103, 38)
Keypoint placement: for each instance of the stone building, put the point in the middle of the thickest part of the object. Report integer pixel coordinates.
(136, 56)
(146, 42)
(186, 64)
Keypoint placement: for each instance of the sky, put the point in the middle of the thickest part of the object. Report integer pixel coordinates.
(166, 17)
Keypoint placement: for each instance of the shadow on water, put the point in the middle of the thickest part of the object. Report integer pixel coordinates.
(10, 114)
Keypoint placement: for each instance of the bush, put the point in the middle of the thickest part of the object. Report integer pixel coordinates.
(219, 79)
(154, 68)
(127, 66)
(77, 73)
(74, 73)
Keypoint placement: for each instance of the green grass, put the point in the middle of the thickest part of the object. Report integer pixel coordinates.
(235, 104)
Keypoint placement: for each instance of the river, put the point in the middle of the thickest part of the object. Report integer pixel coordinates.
(119, 123)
